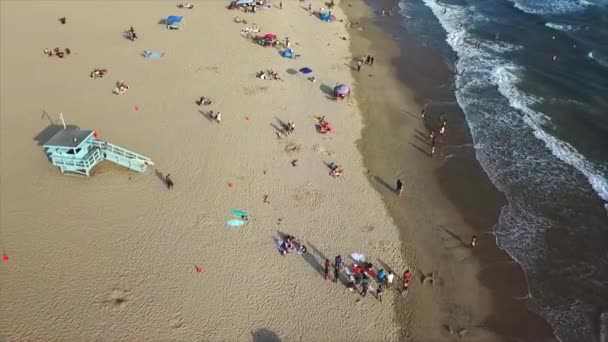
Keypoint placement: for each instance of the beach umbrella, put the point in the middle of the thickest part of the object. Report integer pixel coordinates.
(270, 36)
(342, 89)
(244, 2)
(306, 70)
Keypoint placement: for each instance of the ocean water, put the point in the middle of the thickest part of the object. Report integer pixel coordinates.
(533, 87)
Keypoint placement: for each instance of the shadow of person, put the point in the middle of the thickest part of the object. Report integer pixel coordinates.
(160, 176)
(265, 335)
(327, 90)
(383, 183)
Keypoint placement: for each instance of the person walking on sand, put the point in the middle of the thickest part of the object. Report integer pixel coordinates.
(218, 117)
(372, 59)
(473, 241)
(407, 278)
(364, 289)
(359, 64)
(281, 5)
(379, 291)
(336, 274)
(432, 147)
(310, 7)
(169, 182)
(399, 188)
(326, 270)
(389, 279)
(338, 262)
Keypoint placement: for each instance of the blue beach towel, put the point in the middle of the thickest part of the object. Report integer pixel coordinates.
(306, 70)
(153, 55)
(235, 223)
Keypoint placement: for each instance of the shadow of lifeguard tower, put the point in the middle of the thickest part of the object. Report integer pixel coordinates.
(78, 151)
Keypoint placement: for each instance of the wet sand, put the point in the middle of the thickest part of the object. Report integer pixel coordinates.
(481, 293)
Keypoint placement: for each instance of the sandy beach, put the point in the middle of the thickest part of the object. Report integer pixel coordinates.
(115, 256)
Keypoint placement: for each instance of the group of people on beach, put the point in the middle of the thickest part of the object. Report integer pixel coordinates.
(57, 52)
(359, 276)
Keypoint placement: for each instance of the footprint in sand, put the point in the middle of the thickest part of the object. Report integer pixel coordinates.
(320, 149)
(117, 298)
(177, 321)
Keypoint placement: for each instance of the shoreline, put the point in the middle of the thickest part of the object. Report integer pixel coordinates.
(494, 270)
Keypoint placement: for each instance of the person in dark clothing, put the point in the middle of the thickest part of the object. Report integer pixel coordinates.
(326, 271)
(379, 291)
(364, 289)
(169, 182)
(399, 188)
(336, 274)
(338, 262)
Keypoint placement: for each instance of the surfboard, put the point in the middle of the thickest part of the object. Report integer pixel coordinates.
(235, 223)
(239, 213)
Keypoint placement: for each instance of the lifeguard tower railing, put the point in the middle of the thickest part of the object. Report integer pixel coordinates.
(79, 151)
(122, 156)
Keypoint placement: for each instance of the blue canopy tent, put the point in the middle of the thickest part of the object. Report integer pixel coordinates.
(174, 22)
(244, 2)
(288, 53)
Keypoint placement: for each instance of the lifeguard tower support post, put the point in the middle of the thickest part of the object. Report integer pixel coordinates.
(74, 150)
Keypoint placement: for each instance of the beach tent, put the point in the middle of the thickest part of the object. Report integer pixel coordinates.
(341, 90)
(288, 53)
(306, 70)
(174, 22)
(244, 2)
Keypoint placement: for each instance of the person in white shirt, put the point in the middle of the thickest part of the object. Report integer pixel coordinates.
(389, 278)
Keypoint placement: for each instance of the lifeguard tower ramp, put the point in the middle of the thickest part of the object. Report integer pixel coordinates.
(78, 151)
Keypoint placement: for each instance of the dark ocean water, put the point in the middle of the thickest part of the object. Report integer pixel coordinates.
(536, 103)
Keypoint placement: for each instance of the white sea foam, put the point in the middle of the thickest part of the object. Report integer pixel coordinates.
(487, 66)
(551, 6)
(598, 58)
(506, 77)
(563, 27)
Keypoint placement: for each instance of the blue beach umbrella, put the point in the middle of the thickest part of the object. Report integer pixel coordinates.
(306, 70)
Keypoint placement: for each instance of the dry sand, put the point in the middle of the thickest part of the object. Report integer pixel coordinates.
(112, 257)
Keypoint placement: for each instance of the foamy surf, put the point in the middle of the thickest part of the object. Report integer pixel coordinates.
(550, 7)
(506, 77)
(562, 27)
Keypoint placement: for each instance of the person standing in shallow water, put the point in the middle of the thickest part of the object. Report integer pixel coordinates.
(399, 188)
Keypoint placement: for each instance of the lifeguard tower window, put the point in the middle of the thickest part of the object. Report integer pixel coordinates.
(72, 151)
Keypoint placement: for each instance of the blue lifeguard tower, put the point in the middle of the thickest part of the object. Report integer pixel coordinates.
(75, 150)
(174, 22)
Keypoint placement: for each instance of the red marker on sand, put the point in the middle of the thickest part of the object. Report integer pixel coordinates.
(198, 269)
(230, 184)
(5, 257)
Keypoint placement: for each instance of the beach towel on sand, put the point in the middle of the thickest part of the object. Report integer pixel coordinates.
(153, 55)
(235, 223)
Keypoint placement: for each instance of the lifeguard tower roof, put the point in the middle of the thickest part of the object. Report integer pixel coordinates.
(70, 138)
